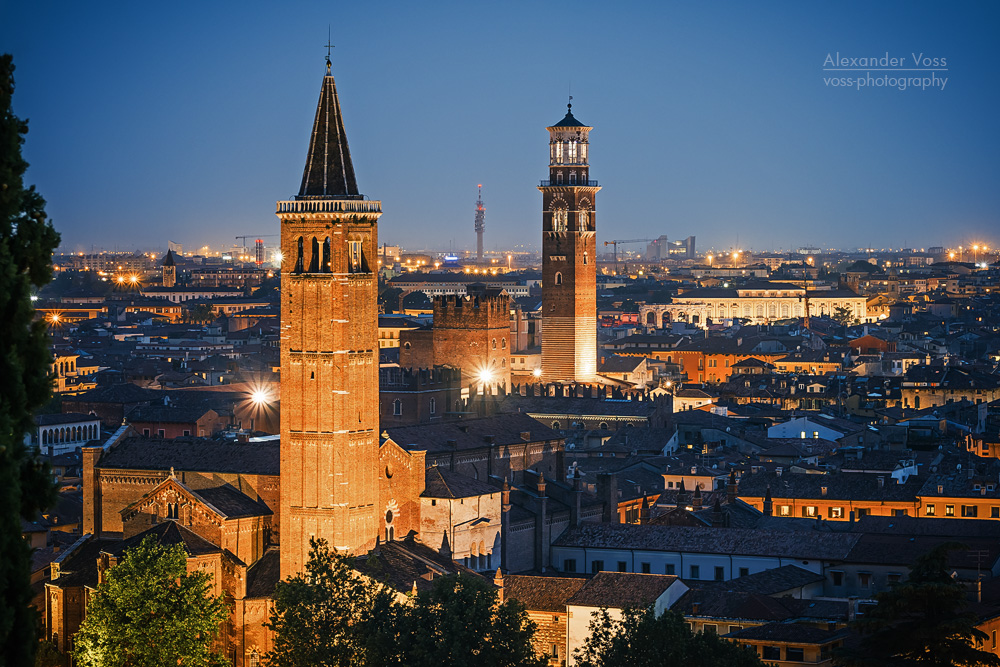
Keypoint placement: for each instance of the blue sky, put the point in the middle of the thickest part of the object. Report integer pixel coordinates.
(186, 121)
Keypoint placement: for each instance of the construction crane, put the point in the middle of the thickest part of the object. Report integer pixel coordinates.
(615, 243)
(258, 245)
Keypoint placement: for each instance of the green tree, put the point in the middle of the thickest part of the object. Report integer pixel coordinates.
(843, 315)
(460, 623)
(334, 615)
(642, 639)
(924, 620)
(48, 655)
(201, 312)
(27, 241)
(150, 611)
(330, 616)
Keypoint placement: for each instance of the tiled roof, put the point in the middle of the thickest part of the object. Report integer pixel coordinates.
(194, 454)
(795, 633)
(264, 574)
(79, 568)
(876, 549)
(616, 364)
(622, 590)
(561, 405)
(167, 414)
(729, 541)
(117, 393)
(440, 483)
(771, 582)
(232, 503)
(167, 533)
(539, 593)
(846, 486)
(64, 418)
(401, 564)
(506, 429)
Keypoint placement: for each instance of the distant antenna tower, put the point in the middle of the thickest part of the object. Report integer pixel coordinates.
(480, 224)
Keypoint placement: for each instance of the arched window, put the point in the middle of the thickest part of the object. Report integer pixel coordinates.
(314, 257)
(406, 345)
(586, 259)
(494, 343)
(433, 406)
(298, 260)
(572, 178)
(503, 343)
(355, 259)
(254, 660)
(583, 219)
(558, 278)
(326, 256)
(503, 363)
(397, 407)
(555, 426)
(604, 426)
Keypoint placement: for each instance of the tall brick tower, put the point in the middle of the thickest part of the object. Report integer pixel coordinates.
(569, 276)
(329, 350)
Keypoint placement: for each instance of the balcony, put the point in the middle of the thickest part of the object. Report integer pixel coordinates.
(589, 184)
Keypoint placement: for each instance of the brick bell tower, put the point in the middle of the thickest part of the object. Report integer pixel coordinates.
(569, 275)
(329, 350)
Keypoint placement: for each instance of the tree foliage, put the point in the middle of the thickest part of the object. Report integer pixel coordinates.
(642, 639)
(924, 620)
(150, 611)
(333, 616)
(27, 241)
(459, 622)
(327, 616)
(200, 313)
(843, 315)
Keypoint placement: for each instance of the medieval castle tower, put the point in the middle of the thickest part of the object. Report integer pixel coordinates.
(569, 268)
(329, 351)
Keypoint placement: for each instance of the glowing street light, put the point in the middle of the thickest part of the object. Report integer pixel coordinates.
(537, 372)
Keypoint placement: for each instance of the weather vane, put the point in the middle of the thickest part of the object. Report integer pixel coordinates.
(329, 45)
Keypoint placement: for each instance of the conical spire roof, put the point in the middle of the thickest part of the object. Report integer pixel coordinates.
(169, 259)
(569, 120)
(329, 171)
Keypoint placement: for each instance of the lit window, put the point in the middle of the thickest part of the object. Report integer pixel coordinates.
(354, 256)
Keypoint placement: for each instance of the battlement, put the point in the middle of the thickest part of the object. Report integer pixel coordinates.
(481, 308)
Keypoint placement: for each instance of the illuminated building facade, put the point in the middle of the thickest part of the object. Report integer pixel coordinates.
(329, 351)
(569, 277)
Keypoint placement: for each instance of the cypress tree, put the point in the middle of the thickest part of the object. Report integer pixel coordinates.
(27, 241)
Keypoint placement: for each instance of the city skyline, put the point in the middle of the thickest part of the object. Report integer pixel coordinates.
(718, 126)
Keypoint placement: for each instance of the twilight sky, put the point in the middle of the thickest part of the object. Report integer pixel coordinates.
(185, 121)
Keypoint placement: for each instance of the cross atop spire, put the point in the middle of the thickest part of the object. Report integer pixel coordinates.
(329, 45)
